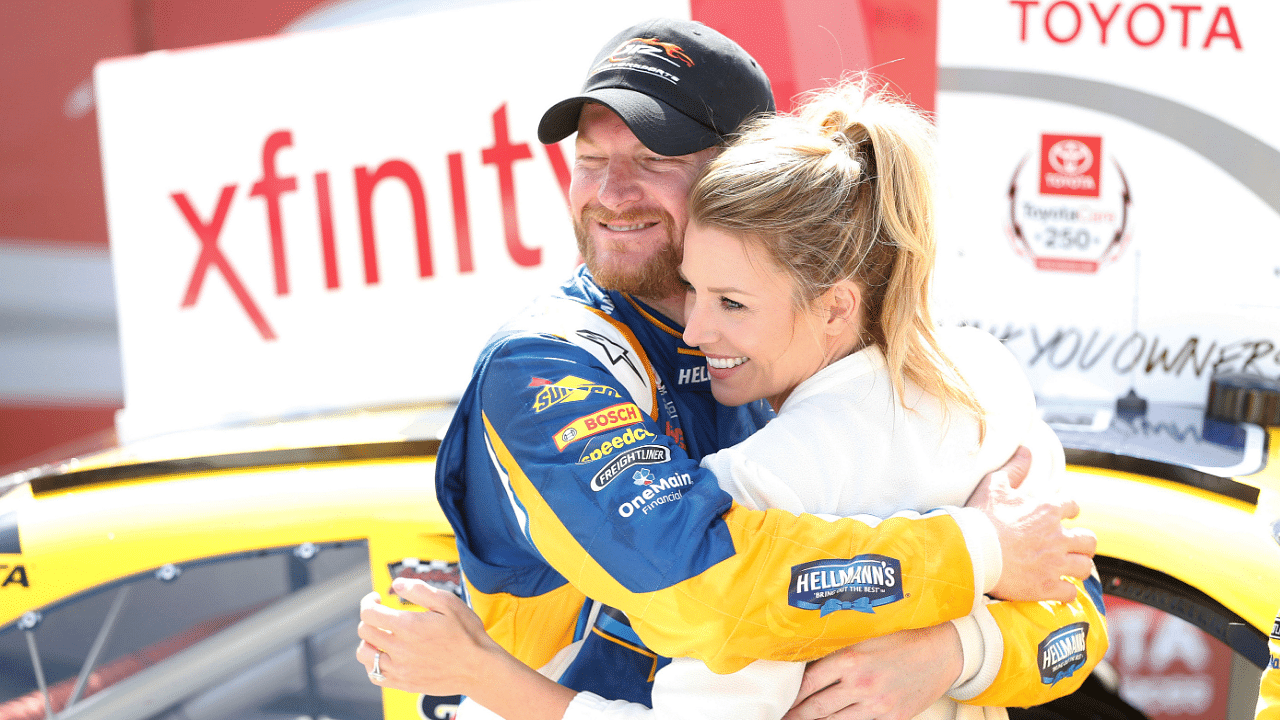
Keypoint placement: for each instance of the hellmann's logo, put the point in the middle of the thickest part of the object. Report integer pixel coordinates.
(1063, 652)
(862, 583)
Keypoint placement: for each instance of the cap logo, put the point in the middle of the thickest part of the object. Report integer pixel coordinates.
(652, 47)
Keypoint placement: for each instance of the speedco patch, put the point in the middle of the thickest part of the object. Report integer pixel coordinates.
(861, 583)
(615, 416)
(1063, 652)
(608, 445)
(566, 390)
(643, 455)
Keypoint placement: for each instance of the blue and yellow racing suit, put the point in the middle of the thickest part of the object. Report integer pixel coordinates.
(570, 475)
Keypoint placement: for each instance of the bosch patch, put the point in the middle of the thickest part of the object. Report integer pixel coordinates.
(616, 416)
(862, 583)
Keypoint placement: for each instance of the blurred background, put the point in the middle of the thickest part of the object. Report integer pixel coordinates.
(1185, 214)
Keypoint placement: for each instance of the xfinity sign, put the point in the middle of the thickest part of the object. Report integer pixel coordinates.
(337, 218)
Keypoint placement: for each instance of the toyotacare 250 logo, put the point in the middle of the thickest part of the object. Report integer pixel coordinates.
(1078, 220)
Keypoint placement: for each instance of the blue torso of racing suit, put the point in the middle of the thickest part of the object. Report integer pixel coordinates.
(624, 420)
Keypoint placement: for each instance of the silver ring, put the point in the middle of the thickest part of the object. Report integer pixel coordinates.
(376, 674)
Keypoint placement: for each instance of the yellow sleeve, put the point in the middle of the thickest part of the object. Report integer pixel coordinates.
(1049, 647)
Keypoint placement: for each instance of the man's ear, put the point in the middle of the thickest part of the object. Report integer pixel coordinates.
(843, 302)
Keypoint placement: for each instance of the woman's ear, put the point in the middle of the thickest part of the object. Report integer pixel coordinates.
(843, 302)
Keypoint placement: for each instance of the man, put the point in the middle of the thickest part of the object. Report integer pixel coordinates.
(591, 542)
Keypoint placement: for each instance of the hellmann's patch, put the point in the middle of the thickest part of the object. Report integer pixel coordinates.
(1063, 652)
(862, 583)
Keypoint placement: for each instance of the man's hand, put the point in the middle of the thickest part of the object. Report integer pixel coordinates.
(1037, 550)
(894, 677)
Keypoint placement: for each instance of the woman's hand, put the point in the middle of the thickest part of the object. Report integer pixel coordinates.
(443, 651)
(446, 651)
(894, 677)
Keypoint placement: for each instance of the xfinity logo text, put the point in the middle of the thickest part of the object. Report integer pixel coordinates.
(268, 194)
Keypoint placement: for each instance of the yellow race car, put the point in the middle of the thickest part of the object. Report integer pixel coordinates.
(217, 574)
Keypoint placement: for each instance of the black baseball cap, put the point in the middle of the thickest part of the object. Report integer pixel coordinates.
(679, 85)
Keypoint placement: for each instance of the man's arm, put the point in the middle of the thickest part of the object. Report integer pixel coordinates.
(666, 552)
(1016, 515)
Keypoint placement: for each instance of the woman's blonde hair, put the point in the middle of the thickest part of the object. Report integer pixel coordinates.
(843, 190)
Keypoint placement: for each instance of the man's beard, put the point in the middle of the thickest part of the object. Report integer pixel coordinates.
(656, 278)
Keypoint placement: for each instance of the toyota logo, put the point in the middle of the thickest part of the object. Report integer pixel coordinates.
(1070, 157)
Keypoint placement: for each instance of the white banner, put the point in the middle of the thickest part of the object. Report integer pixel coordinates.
(337, 218)
(1111, 189)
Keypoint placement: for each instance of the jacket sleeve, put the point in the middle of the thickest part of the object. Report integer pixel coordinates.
(616, 506)
(1039, 651)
